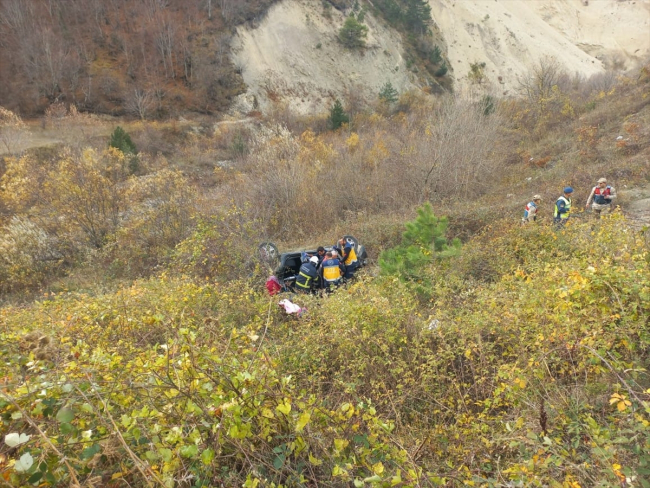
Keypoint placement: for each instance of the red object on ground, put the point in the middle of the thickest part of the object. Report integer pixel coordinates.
(273, 286)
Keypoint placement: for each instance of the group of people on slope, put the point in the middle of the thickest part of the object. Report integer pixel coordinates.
(327, 269)
(600, 199)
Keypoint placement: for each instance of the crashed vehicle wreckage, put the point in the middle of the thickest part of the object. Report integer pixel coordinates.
(286, 266)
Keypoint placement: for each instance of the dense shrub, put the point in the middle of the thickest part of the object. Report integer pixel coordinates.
(221, 247)
(423, 241)
(168, 379)
(28, 254)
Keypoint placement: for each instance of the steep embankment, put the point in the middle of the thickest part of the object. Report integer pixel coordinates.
(294, 56)
(509, 36)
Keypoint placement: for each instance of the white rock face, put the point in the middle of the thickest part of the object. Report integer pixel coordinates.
(584, 36)
(294, 57)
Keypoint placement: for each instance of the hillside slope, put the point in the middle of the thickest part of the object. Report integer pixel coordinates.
(509, 36)
(293, 55)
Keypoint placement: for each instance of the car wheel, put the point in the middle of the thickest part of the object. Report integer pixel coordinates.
(269, 254)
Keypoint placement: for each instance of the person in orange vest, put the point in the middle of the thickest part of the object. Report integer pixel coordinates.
(601, 195)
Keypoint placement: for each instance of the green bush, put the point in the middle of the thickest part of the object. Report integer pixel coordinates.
(487, 104)
(353, 33)
(476, 72)
(423, 240)
(388, 93)
(442, 71)
(338, 117)
(122, 141)
(436, 55)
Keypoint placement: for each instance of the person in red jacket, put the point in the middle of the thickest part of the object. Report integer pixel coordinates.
(602, 196)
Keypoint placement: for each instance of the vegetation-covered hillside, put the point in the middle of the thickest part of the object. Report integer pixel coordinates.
(139, 347)
(521, 362)
(147, 57)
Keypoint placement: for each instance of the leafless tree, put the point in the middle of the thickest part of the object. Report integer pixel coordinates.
(165, 41)
(12, 130)
(453, 156)
(16, 16)
(140, 102)
(538, 84)
(226, 7)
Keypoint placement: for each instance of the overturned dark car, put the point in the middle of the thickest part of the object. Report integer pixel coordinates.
(286, 266)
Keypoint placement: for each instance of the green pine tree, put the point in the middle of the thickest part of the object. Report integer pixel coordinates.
(418, 14)
(122, 141)
(487, 104)
(388, 93)
(391, 10)
(436, 55)
(442, 71)
(338, 117)
(423, 241)
(353, 33)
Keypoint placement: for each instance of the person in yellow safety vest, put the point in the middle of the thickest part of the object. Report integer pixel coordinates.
(307, 275)
(602, 196)
(563, 207)
(331, 269)
(349, 258)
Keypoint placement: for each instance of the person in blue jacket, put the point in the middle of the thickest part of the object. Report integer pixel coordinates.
(307, 276)
(331, 270)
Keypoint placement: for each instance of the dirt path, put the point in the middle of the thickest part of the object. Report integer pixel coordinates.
(30, 141)
(636, 206)
(70, 132)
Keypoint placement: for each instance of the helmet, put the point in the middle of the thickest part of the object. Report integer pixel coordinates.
(568, 189)
(314, 260)
(536, 197)
(602, 180)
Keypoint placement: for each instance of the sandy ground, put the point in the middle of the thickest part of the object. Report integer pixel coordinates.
(293, 54)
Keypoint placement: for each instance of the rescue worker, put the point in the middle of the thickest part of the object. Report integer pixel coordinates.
(331, 270)
(602, 195)
(307, 276)
(530, 213)
(320, 254)
(349, 258)
(563, 207)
